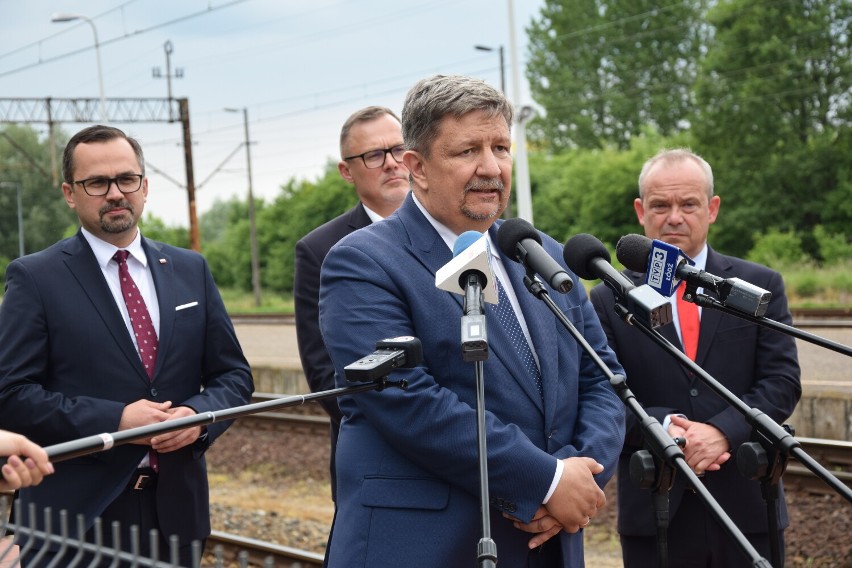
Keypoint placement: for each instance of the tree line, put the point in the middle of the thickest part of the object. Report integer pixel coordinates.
(761, 88)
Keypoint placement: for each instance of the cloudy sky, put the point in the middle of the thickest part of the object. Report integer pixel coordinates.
(299, 67)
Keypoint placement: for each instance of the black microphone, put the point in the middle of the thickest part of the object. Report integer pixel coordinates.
(589, 259)
(393, 353)
(519, 241)
(661, 262)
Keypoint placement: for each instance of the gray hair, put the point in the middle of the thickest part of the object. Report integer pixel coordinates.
(364, 115)
(674, 156)
(96, 134)
(433, 98)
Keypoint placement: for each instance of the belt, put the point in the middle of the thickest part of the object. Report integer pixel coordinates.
(143, 478)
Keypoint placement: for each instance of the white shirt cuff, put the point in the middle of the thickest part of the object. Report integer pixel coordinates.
(667, 421)
(556, 477)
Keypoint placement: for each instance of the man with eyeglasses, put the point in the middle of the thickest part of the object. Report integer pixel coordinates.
(107, 331)
(371, 151)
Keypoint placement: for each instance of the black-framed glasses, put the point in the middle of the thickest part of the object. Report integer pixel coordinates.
(99, 186)
(376, 158)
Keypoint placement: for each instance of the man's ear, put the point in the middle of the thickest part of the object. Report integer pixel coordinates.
(343, 168)
(416, 165)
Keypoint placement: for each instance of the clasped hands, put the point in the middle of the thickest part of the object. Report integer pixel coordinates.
(575, 501)
(145, 412)
(706, 447)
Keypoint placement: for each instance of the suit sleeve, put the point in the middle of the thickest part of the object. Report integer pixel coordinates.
(776, 386)
(316, 362)
(28, 404)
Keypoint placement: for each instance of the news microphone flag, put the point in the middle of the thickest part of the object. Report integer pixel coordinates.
(477, 256)
(662, 267)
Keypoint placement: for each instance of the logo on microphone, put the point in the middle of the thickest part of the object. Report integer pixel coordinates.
(656, 268)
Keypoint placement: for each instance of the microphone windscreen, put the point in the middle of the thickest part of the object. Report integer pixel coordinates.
(513, 231)
(633, 251)
(580, 250)
(465, 240)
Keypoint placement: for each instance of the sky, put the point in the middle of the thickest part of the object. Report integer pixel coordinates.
(298, 67)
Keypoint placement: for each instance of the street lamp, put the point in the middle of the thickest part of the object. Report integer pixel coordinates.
(63, 17)
(255, 259)
(502, 64)
(17, 186)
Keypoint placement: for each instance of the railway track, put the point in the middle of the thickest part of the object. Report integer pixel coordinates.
(233, 550)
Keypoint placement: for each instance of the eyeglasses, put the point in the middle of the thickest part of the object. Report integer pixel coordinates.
(99, 186)
(376, 158)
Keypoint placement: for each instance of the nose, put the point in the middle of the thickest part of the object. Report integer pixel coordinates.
(113, 192)
(390, 161)
(489, 165)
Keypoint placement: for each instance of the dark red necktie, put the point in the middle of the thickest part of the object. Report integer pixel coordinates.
(140, 321)
(687, 315)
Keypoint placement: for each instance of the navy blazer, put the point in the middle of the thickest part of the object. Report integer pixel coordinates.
(68, 367)
(758, 365)
(407, 462)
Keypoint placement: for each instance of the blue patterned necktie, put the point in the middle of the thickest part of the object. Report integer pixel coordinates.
(509, 322)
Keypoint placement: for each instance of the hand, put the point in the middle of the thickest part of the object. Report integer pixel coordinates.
(706, 447)
(142, 413)
(171, 441)
(577, 497)
(543, 525)
(19, 472)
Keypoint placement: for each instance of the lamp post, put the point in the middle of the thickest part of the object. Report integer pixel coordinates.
(502, 64)
(17, 186)
(63, 17)
(255, 259)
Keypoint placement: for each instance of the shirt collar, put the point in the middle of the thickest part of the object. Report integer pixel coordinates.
(446, 234)
(104, 251)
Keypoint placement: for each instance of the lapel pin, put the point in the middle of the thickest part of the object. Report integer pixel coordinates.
(162, 261)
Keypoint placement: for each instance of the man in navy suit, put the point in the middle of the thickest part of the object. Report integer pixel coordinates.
(71, 367)
(371, 160)
(676, 204)
(407, 461)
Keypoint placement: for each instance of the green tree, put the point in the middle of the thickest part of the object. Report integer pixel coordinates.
(775, 100)
(25, 160)
(604, 69)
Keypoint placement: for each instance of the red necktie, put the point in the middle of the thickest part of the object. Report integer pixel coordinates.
(687, 315)
(140, 321)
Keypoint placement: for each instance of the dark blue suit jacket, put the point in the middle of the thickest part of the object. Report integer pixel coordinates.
(407, 464)
(758, 365)
(68, 367)
(316, 363)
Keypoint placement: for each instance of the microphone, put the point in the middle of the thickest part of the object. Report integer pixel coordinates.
(589, 259)
(392, 353)
(663, 263)
(472, 264)
(519, 241)
(470, 253)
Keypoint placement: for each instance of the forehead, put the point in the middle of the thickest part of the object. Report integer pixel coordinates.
(675, 180)
(374, 133)
(477, 126)
(114, 155)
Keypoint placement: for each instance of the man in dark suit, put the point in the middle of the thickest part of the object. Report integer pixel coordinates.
(407, 460)
(676, 204)
(93, 340)
(371, 160)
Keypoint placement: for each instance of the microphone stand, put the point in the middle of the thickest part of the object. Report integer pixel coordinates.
(668, 456)
(475, 348)
(100, 442)
(766, 458)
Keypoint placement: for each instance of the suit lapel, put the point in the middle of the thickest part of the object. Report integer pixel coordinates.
(83, 265)
(710, 318)
(163, 275)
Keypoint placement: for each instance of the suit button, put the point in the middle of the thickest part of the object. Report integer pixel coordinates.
(153, 392)
(693, 392)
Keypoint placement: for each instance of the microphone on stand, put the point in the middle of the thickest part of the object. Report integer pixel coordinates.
(666, 265)
(519, 241)
(589, 259)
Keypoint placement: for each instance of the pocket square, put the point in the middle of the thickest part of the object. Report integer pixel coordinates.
(184, 306)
